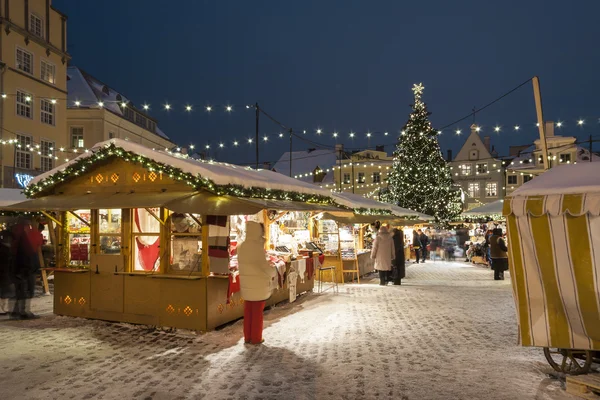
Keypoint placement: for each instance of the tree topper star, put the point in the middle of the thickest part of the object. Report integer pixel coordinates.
(418, 89)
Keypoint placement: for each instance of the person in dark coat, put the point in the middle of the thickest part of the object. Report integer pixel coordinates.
(6, 265)
(398, 272)
(416, 245)
(499, 254)
(424, 242)
(26, 244)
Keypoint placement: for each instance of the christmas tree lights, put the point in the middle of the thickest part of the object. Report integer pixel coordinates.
(420, 179)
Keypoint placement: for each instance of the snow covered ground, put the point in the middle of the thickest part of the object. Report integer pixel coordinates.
(449, 332)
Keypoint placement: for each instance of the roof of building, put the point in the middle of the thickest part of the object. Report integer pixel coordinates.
(306, 161)
(88, 90)
(525, 160)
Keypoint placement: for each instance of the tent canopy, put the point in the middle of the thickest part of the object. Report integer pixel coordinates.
(495, 207)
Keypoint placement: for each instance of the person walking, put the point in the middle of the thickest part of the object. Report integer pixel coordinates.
(499, 254)
(383, 253)
(256, 275)
(424, 239)
(399, 269)
(416, 244)
(26, 245)
(6, 265)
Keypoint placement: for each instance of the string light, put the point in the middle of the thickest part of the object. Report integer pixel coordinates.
(188, 108)
(351, 134)
(458, 131)
(319, 131)
(229, 108)
(3, 95)
(208, 108)
(27, 99)
(100, 104)
(580, 122)
(53, 101)
(123, 104)
(497, 129)
(517, 127)
(167, 106)
(559, 124)
(146, 107)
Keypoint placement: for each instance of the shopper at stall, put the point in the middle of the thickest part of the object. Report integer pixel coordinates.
(398, 270)
(499, 254)
(256, 275)
(383, 253)
(416, 244)
(424, 242)
(26, 246)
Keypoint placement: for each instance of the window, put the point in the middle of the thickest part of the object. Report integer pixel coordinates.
(48, 72)
(361, 177)
(512, 179)
(47, 112)
(473, 190)
(527, 178)
(110, 231)
(541, 160)
(76, 137)
(482, 168)
(79, 237)
(346, 178)
(564, 158)
(465, 169)
(186, 243)
(146, 239)
(129, 114)
(151, 126)
(491, 189)
(24, 160)
(24, 60)
(376, 177)
(36, 25)
(24, 104)
(47, 150)
(111, 135)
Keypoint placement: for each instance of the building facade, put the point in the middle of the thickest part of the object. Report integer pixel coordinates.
(364, 172)
(529, 163)
(478, 172)
(97, 112)
(33, 86)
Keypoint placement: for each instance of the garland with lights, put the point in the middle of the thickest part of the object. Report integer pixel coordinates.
(197, 182)
(420, 179)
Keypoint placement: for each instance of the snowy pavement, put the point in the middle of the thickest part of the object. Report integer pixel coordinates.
(449, 332)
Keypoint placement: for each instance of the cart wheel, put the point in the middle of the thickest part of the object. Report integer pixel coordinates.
(570, 362)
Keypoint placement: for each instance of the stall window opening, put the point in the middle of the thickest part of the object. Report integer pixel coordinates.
(78, 237)
(110, 231)
(186, 243)
(146, 239)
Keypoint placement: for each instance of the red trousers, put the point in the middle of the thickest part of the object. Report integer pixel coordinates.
(253, 321)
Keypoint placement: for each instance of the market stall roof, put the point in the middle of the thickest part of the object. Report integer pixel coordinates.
(219, 174)
(565, 189)
(11, 196)
(357, 202)
(495, 207)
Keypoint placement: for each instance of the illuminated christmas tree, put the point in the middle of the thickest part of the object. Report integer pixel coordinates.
(420, 179)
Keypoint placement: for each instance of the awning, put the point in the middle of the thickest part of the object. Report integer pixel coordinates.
(64, 202)
(492, 208)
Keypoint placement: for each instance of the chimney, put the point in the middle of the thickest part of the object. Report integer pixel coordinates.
(549, 129)
(449, 155)
(184, 150)
(486, 142)
(267, 165)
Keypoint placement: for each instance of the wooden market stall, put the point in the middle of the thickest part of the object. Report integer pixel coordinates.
(145, 235)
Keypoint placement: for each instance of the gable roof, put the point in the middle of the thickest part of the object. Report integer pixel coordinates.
(83, 87)
(473, 142)
(306, 161)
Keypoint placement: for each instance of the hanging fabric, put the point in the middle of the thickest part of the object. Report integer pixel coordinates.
(148, 246)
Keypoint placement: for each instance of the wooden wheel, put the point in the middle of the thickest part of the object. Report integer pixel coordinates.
(570, 362)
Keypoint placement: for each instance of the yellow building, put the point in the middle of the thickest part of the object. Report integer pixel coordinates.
(97, 112)
(364, 173)
(33, 86)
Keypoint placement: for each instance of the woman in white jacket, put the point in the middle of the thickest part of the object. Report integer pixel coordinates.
(383, 253)
(256, 275)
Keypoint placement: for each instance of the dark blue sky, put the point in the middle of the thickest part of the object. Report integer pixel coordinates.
(342, 65)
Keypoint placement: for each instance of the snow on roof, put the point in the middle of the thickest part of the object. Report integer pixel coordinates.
(357, 201)
(495, 207)
(564, 179)
(11, 196)
(522, 163)
(219, 173)
(306, 161)
(83, 87)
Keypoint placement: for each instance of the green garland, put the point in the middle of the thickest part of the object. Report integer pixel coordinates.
(197, 182)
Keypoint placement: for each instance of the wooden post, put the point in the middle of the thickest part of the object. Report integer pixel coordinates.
(205, 235)
(540, 117)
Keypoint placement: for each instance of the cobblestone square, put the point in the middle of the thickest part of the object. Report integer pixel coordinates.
(449, 332)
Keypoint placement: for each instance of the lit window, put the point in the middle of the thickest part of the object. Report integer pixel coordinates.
(24, 61)
(346, 179)
(48, 72)
(77, 137)
(47, 112)
(465, 169)
(473, 190)
(24, 106)
(24, 160)
(491, 189)
(47, 150)
(36, 25)
(565, 157)
(361, 177)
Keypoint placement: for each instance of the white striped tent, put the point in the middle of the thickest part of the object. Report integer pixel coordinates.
(554, 255)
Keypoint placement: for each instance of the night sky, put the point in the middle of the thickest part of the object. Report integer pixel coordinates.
(342, 66)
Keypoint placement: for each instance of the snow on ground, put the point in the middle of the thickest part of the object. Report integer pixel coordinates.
(449, 332)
